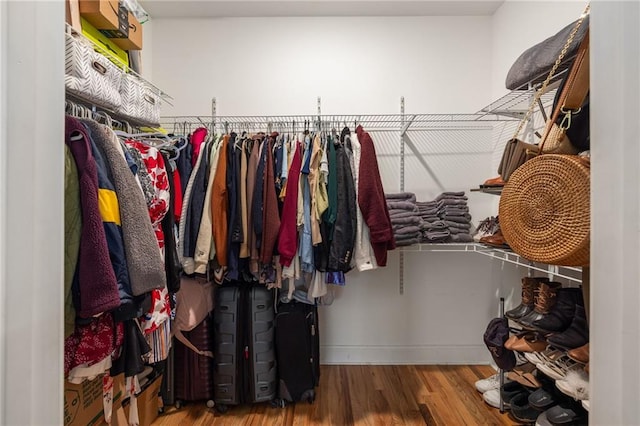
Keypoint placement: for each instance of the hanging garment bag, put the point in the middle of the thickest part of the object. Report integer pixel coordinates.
(245, 363)
(298, 352)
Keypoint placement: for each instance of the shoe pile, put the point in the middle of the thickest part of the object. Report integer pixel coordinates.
(486, 228)
(543, 405)
(554, 339)
(489, 233)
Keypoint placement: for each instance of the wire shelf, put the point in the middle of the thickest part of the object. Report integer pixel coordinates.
(370, 122)
(516, 102)
(569, 273)
(97, 108)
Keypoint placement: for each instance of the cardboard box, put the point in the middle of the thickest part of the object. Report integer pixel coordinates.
(102, 14)
(134, 39)
(148, 405)
(73, 14)
(83, 405)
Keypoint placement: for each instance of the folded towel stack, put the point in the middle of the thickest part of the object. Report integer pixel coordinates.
(405, 218)
(446, 219)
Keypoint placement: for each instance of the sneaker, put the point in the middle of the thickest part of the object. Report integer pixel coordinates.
(543, 421)
(492, 382)
(559, 368)
(484, 229)
(492, 397)
(575, 384)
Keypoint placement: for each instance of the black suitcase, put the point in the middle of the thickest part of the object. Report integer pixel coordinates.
(244, 353)
(193, 373)
(297, 351)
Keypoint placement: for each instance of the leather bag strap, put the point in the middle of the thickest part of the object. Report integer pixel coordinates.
(574, 91)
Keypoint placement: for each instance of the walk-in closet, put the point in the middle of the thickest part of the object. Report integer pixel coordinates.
(319, 212)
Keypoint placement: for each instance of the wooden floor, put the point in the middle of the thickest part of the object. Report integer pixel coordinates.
(367, 395)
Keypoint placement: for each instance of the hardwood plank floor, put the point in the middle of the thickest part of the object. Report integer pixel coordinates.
(372, 395)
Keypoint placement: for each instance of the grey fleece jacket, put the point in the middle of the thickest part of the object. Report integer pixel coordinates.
(146, 267)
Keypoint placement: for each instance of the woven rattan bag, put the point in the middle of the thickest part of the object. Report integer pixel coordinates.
(544, 207)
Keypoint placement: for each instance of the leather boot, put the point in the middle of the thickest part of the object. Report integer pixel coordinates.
(576, 335)
(529, 287)
(561, 315)
(544, 301)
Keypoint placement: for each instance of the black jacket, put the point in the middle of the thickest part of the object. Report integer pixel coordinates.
(344, 232)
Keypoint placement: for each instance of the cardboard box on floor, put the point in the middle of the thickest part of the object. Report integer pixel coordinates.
(148, 406)
(83, 405)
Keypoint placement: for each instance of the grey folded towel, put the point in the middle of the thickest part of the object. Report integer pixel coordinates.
(461, 238)
(436, 235)
(450, 194)
(438, 224)
(450, 202)
(453, 197)
(405, 221)
(397, 214)
(447, 213)
(430, 211)
(406, 230)
(450, 224)
(430, 219)
(464, 208)
(427, 203)
(448, 216)
(401, 196)
(458, 219)
(459, 231)
(402, 205)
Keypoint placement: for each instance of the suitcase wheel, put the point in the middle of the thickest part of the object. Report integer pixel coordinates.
(221, 408)
(210, 404)
(178, 404)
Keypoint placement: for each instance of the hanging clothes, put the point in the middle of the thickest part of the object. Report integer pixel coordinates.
(96, 280)
(371, 199)
(220, 205)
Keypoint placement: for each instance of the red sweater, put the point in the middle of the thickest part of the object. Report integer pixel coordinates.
(371, 200)
(288, 238)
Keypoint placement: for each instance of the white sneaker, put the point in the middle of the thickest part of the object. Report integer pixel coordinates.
(492, 382)
(558, 369)
(492, 397)
(575, 384)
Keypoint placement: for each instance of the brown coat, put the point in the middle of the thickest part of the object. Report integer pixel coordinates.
(220, 206)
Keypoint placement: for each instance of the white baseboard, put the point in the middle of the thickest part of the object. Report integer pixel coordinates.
(381, 355)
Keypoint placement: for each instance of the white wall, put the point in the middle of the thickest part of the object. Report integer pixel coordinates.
(615, 213)
(31, 202)
(357, 65)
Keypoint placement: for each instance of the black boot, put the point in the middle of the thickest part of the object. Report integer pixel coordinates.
(562, 313)
(575, 336)
(529, 289)
(544, 302)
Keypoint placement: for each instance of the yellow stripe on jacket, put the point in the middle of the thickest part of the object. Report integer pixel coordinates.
(108, 204)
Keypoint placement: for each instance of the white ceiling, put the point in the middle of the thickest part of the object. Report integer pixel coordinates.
(269, 8)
